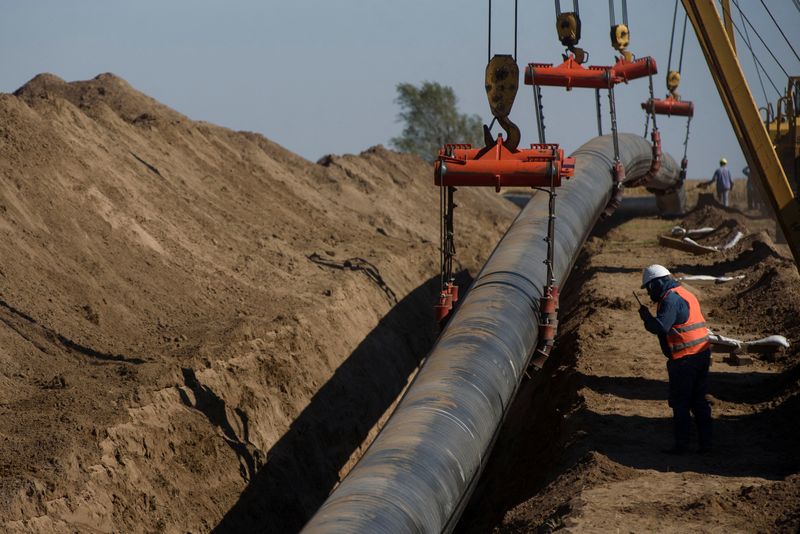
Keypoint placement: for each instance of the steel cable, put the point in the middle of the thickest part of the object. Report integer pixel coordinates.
(758, 71)
(757, 35)
(780, 30)
(758, 61)
(683, 42)
(672, 37)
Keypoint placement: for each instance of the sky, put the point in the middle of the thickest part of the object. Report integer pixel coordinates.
(319, 76)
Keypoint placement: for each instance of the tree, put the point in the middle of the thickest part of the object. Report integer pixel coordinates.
(432, 119)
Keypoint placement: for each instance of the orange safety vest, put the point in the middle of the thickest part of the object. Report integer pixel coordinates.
(690, 337)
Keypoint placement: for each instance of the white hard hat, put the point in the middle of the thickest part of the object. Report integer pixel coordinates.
(652, 272)
(723, 161)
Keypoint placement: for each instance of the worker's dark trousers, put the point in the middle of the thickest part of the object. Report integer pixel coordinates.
(688, 385)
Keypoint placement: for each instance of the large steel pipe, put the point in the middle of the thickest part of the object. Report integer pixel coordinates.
(420, 470)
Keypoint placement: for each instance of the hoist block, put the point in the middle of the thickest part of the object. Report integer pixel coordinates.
(631, 70)
(497, 166)
(669, 106)
(568, 26)
(570, 74)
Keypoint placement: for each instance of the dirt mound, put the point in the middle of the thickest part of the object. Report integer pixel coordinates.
(547, 511)
(105, 91)
(727, 223)
(767, 300)
(172, 352)
(709, 212)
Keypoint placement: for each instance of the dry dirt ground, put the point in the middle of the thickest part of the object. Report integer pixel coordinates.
(198, 328)
(582, 451)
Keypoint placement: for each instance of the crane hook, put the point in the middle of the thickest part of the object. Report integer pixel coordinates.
(502, 82)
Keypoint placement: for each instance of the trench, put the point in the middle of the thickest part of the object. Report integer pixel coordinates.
(298, 472)
(569, 443)
(419, 473)
(529, 452)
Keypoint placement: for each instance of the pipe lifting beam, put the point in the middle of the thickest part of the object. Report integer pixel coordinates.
(572, 74)
(669, 106)
(497, 166)
(419, 472)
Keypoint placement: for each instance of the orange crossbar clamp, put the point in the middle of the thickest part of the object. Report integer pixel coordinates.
(570, 74)
(631, 70)
(669, 106)
(497, 166)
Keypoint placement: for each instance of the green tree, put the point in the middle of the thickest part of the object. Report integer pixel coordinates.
(432, 120)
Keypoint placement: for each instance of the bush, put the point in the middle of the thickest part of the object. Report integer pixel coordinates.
(432, 119)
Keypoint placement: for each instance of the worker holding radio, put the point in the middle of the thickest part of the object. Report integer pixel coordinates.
(682, 333)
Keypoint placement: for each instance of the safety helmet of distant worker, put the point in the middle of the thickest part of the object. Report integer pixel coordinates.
(652, 272)
(723, 161)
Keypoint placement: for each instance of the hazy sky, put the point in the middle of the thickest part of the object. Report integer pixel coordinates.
(319, 76)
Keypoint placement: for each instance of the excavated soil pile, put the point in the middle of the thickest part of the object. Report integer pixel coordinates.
(200, 328)
(582, 447)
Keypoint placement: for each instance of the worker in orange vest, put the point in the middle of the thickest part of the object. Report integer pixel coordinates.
(682, 332)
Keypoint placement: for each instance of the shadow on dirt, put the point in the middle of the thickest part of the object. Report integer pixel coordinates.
(631, 208)
(743, 388)
(748, 445)
(745, 445)
(303, 466)
(760, 251)
(213, 407)
(591, 271)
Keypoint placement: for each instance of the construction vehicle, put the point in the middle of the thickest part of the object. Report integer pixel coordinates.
(782, 127)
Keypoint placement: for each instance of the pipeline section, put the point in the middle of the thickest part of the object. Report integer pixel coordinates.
(419, 472)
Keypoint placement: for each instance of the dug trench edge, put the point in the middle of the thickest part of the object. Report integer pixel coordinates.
(419, 472)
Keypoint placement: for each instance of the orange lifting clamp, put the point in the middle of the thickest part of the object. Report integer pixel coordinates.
(672, 105)
(496, 166)
(447, 297)
(628, 70)
(548, 326)
(570, 74)
(669, 106)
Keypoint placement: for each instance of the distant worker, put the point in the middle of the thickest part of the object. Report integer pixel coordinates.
(724, 181)
(753, 191)
(682, 333)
